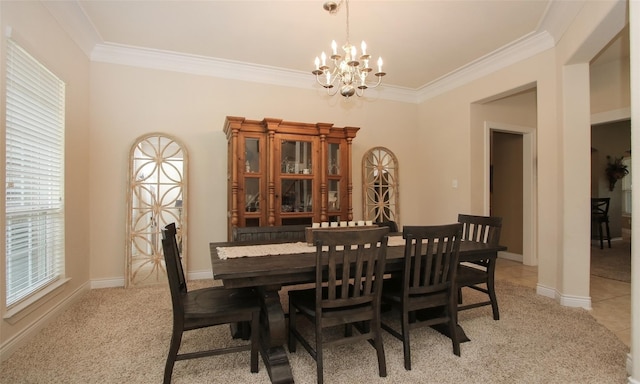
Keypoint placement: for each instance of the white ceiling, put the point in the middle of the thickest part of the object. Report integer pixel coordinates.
(419, 41)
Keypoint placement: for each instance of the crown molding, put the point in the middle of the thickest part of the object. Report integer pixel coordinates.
(558, 17)
(73, 19)
(242, 71)
(501, 58)
(236, 70)
(222, 68)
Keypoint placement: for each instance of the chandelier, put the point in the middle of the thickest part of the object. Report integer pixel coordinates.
(350, 71)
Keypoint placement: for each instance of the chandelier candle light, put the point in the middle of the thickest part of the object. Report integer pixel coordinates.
(350, 71)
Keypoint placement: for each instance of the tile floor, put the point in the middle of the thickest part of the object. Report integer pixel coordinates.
(610, 299)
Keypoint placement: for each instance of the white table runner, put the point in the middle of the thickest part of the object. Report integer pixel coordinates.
(280, 249)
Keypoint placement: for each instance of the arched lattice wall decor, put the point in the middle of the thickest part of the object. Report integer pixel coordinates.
(380, 186)
(156, 197)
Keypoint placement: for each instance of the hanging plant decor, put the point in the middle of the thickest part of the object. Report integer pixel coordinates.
(615, 171)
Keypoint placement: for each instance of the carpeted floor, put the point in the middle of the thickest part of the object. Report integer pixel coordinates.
(122, 336)
(612, 263)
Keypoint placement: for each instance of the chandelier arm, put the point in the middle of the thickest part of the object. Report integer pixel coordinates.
(332, 93)
(325, 85)
(376, 84)
(349, 73)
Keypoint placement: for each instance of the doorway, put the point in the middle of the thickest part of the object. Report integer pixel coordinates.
(511, 186)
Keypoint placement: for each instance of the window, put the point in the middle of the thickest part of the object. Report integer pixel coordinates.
(34, 194)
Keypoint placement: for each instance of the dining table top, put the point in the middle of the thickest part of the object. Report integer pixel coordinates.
(299, 267)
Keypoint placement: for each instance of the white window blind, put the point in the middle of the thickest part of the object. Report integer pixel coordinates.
(34, 175)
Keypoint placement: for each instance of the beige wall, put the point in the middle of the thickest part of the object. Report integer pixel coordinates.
(518, 109)
(436, 142)
(456, 111)
(35, 30)
(596, 25)
(609, 86)
(127, 102)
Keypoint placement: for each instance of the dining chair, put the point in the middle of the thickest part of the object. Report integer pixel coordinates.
(479, 275)
(393, 226)
(427, 283)
(205, 307)
(289, 233)
(348, 280)
(600, 216)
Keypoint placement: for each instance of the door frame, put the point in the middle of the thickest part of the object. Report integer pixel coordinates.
(529, 184)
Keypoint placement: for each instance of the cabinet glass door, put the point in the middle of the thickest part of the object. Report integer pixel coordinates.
(252, 155)
(250, 197)
(295, 157)
(334, 159)
(252, 194)
(334, 195)
(297, 195)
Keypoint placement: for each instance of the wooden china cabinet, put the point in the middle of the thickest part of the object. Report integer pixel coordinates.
(287, 173)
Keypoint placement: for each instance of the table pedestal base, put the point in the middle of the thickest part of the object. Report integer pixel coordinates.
(277, 363)
(274, 336)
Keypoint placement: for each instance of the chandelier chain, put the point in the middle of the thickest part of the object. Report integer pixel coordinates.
(347, 3)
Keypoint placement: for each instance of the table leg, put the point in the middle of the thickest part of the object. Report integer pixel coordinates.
(273, 336)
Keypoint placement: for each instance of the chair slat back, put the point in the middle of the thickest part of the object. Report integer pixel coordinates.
(175, 272)
(393, 226)
(600, 206)
(431, 258)
(270, 233)
(355, 256)
(482, 229)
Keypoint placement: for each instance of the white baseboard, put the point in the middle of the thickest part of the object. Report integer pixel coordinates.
(510, 256)
(564, 300)
(575, 301)
(21, 338)
(630, 370)
(107, 283)
(117, 282)
(200, 275)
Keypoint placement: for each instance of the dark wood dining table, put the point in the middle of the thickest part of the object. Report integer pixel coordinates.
(267, 274)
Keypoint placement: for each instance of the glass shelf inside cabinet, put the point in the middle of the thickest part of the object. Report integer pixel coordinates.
(295, 157)
(252, 155)
(334, 159)
(297, 195)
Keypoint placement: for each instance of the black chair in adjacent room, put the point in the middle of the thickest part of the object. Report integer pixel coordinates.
(205, 307)
(349, 276)
(479, 275)
(427, 283)
(600, 217)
